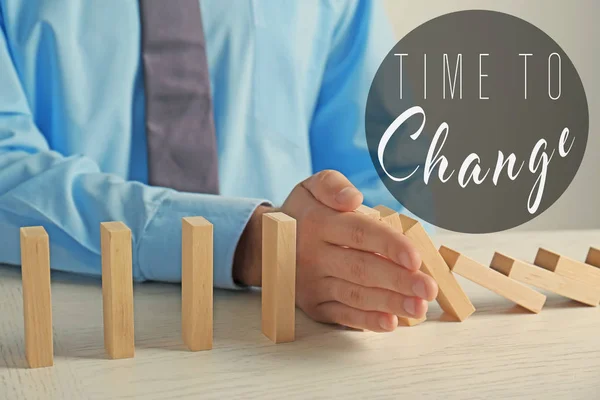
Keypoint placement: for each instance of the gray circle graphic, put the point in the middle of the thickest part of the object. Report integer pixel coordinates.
(477, 121)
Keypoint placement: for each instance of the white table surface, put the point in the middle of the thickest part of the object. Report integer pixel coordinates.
(501, 351)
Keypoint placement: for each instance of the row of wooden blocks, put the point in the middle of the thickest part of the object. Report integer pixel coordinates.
(278, 292)
(576, 280)
(552, 272)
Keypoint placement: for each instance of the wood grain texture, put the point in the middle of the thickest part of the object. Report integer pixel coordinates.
(451, 296)
(279, 277)
(392, 218)
(568, 267)
(117, 290)
(502, 352)
(368, 211)
(197, 283)
(493, 280)
(37, 299)
(593, 257)
(544, 279)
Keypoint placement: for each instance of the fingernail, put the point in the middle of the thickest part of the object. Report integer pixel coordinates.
(385, 324)
(410, 306)
(346, 194)
(420, 290)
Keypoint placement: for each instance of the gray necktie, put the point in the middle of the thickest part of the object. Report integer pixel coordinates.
(182, 150)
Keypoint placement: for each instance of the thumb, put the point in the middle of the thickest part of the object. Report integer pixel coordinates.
(334, 190)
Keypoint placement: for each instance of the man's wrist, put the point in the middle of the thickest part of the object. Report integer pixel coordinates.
(247, 264)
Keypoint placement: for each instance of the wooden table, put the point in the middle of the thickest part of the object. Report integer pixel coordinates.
(501, 351)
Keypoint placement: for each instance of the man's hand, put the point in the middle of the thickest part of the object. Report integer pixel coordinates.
(351, 270)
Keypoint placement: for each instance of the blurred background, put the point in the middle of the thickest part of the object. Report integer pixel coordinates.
(574, 25)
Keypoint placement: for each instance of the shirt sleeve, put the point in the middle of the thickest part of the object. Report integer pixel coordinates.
(71, 196)
(361, 40)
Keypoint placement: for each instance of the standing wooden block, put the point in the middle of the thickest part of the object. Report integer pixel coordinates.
(451, 298)
(278, 277)
(37, 301)
(568, 267)
(593, 257)
(392, 218)
(368, 211)
(197, 283)
(493, 280)
(546, 280)
(117, 290)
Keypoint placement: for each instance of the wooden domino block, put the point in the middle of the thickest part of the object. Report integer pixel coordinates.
(451, 298)
(278, 277)
(546, 280)
(593, 257)
(493, 280)
(368, 211)
(37, 301)
(117, 290)
(392, 218)
(197, 283)
(568, 267)
(405, 321)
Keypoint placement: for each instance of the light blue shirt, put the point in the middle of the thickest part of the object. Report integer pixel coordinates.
(289, 80)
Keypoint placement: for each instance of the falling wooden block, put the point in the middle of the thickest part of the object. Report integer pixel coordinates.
(117, 290)
(392, 218)
(368, 211)
(568, 267)
(451, 298)
(197, 283)
(279, 277)
(593, 257)
(546, 280)
(493, 280)
(37, 301)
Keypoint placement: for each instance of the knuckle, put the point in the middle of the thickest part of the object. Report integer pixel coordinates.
(357, 235)
(358, 269)
(326, 176)
(355, 296)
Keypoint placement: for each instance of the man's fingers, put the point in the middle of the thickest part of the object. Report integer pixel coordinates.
(371, 270)
(341, 314)
(363, 233)
(334, 190)
(373, 299)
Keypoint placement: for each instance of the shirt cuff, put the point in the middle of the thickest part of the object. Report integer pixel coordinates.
(159, 250)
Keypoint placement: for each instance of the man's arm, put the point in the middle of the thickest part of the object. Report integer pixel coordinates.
(70, 197)
(361, 40)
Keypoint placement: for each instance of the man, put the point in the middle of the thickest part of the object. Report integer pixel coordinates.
(106, 113)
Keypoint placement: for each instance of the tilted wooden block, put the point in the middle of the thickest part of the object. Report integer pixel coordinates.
(117, 290)
(37, 300)
(451, 297)
(544, 279)
(368, 211)
(593, 257)
(278, 277)
(392, 218)
(493, 280)
(197, 283)
(568, 267)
